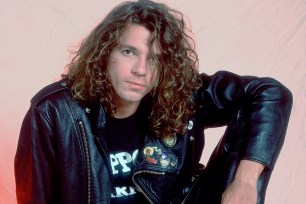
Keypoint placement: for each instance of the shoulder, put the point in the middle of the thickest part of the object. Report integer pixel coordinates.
(54, 90)
(220, 76)
(222, 82)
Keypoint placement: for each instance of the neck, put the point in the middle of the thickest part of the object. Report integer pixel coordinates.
(125, 109)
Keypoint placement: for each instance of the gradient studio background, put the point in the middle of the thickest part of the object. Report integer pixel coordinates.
(255, 37)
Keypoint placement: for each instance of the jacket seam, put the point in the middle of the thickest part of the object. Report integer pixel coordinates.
(87, 157)
(84, 145)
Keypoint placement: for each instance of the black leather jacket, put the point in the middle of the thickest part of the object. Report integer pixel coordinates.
(61, 155)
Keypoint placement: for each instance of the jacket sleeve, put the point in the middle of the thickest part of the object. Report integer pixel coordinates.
(259, 108)
(35, 163)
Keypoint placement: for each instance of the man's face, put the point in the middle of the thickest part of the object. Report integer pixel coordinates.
(131, 70)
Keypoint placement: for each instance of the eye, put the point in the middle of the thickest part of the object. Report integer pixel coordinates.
(128, 52)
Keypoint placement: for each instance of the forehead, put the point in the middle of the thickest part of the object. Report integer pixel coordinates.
(139, 37)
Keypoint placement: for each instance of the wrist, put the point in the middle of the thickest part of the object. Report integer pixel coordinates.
(248, 171)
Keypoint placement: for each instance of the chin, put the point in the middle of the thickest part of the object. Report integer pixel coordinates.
(132, 98)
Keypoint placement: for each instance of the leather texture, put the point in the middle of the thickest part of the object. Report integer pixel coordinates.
(62, 156)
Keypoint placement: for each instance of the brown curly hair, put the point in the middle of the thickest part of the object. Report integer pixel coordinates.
(172, 98)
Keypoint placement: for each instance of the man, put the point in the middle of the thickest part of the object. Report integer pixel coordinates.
(125, 124)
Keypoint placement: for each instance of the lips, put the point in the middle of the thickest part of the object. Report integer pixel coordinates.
(136, 86)
(134, 83)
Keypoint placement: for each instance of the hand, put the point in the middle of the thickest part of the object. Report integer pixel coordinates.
(243, 189)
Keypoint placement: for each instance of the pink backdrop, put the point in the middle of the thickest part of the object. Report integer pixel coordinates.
(264, 38)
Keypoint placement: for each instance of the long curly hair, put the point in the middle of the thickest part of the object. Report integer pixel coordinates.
(172, 98)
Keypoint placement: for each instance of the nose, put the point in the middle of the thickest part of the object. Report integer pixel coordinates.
(140, 67)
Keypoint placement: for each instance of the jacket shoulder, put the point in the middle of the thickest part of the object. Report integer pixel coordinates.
(49, 90)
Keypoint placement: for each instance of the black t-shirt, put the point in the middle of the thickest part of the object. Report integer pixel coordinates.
(124, 138)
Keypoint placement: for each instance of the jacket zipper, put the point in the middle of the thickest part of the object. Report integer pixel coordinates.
(139, 188)
(158, 173)
(190, 190)
(87, 160)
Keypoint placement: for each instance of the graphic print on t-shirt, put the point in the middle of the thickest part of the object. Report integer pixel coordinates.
(122, 164)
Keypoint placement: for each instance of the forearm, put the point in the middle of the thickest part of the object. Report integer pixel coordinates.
(266, 119)
(243, 189)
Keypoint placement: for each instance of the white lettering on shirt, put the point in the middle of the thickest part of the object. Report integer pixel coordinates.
(123, 191)
(121, 163)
